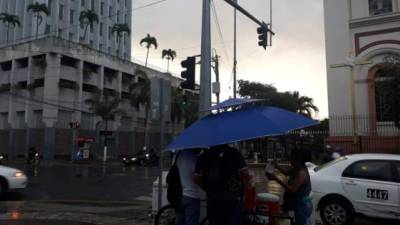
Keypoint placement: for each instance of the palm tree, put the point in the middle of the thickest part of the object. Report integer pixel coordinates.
(140, 96)
(177, 106)
(106, 106)
(38, 9)
(88, 18)
(10, 21)
(120, 30)
(149, 40)
(169, 54)
(304, 105)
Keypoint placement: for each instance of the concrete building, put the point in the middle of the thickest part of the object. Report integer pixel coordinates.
(43, 87)
(63, 22)
(361, 37)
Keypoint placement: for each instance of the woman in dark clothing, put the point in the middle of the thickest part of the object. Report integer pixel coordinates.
(297, 188)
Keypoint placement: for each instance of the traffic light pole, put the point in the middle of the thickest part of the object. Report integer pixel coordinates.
(242, 10)
(234, 52)
(205, 69)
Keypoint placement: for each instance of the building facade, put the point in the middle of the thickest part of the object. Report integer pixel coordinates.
(362, 37)
(63, 22)
(43, 87)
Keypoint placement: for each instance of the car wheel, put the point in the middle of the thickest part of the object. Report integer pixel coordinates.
(336, 212)
(3, 186)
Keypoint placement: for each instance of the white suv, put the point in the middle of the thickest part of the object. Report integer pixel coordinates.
(368, 184)
(11, 178)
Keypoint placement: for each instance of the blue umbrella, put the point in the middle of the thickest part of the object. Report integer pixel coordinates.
(240, 125)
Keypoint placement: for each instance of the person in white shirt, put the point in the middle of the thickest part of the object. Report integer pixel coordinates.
(188, 213)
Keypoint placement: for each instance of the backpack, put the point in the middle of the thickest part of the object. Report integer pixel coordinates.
(174, 188)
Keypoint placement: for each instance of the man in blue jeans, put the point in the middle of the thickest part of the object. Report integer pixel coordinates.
(188, 212)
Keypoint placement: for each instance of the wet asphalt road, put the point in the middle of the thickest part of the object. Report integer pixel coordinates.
(92, 182)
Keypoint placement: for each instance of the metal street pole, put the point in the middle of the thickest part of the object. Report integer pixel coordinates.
(205, 69)
(234, 51)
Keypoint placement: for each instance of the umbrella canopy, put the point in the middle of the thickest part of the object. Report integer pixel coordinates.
(233, 102)
(243, 124)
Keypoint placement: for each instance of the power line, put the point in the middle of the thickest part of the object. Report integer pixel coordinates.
(216, 21)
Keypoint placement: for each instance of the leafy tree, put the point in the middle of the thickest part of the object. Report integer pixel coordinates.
(291, 101)
(178, 105)
(38, 9)
(119, 30)
(88, 18)
(140, 96)
(105, 106)
(169, 54)
(149, 40)
(10, 21)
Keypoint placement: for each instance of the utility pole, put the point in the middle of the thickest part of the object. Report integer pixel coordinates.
(234, 51)
(205, 69)
(216, 85)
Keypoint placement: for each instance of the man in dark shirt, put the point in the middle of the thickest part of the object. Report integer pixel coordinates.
(222, 173)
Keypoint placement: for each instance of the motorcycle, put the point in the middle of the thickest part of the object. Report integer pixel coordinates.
(33, 159)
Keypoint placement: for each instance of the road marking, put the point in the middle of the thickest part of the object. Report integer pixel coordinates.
(144, 198)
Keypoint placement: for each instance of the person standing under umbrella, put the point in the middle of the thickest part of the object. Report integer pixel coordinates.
(222, 173)
(297, 189)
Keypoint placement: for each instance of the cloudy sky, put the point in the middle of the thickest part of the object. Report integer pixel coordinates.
(296, 61)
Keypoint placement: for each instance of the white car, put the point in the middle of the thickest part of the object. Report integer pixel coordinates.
(366, 184)
(11, 179)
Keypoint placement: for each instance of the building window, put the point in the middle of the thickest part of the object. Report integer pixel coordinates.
(101, 47)
(101, 8)
(83, 2)
(91, 43)
(109, 50)
(47, 29)
(91, 28)
(384, 81)
(92, 4)
(20, 119)
(50, 6)
(71, 36)
(3, 120)
(126, 19)
(61, 12)
(109, 33)
(71, 16)
(38, 119)
(118, 16)
(377, 7)
(110, 11)
(60, 32)
(101, 29)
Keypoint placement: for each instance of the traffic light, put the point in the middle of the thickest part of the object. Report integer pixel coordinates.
(184, 100)
(189, 74)
(262, 32)
(74, 125)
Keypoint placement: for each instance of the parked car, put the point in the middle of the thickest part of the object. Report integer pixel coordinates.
(11, 179)
(142, 158)
(366, 184)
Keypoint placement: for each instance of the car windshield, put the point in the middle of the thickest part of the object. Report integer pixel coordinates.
(318, 168)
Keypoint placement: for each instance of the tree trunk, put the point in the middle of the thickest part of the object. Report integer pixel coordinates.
(37, 26)
(84, 33)
(168, 66)
(147, 56)
(8, 30)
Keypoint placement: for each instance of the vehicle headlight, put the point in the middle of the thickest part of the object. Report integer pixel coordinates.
(1, 157)
(133, 159)
(19, 174)
(147, 155)
(124, 158)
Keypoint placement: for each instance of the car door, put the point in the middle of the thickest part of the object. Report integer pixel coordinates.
(397, 170)
(371, 185)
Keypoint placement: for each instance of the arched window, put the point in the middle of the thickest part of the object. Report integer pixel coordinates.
(383, 112)
(377, 7)
(387, 87)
